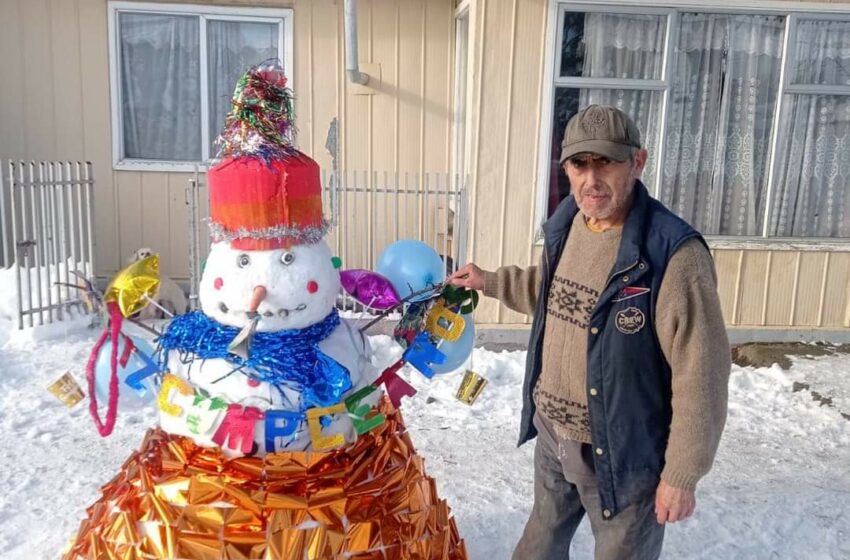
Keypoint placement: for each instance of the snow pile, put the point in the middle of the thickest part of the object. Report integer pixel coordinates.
(49, 275)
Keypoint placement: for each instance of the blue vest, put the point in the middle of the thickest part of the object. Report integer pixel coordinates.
(628, 378)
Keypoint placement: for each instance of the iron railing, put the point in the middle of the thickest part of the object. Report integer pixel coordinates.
(368, 211)
(46, 211)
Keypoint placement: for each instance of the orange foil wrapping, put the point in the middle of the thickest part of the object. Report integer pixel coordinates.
(174, 499)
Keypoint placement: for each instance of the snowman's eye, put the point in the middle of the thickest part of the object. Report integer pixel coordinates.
(287, 258)
(243, 260)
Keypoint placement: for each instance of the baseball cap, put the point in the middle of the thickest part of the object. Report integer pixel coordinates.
(603, 130)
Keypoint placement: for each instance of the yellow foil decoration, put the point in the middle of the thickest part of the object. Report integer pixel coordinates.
(471, 387)
(67, 390)
(133, 284)
(314, 416)
(170, 382)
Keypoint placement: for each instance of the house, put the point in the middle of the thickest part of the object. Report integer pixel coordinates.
(745, 108)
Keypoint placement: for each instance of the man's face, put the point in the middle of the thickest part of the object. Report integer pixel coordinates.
(603, 187)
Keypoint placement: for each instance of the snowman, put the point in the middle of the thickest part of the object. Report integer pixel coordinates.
(268, 337)
(275, 440)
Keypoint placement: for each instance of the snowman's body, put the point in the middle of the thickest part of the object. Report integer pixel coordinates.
(299, 286)
(270, 280)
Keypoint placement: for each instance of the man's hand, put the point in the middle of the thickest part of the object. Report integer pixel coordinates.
(673, 504)
(468, 276)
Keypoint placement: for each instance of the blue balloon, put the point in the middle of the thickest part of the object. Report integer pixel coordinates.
(411, 266)
(458, 351)
(141, 389)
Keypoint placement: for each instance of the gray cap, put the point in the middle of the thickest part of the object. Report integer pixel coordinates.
(602, 130)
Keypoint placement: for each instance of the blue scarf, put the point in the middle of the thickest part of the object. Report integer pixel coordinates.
(288, 358)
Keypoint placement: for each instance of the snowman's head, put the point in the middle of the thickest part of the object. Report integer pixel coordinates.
(301, 285)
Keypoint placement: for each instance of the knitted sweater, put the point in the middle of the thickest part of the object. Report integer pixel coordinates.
(690, 329)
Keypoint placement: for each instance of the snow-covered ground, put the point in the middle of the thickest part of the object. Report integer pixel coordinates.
(780, 488)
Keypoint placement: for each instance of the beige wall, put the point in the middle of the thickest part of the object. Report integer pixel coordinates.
(784, 288)
(765, 287)
(54, 104)
(508, 39)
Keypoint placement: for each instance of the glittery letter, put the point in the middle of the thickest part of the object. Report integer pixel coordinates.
(134, 380)
(289, 424)
(314, 416)
(170, 382)
(422, 354)
(202, 415)
(360, 414)
(237, 428)
(395, 386)
(444, 323)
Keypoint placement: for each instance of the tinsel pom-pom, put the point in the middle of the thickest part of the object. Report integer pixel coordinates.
(260, 122)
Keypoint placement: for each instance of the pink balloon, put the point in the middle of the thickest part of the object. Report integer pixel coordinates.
(369, 288)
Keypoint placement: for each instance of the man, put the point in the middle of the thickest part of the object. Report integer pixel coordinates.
(628, 361)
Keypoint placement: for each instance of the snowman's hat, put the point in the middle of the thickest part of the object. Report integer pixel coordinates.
(264, 194)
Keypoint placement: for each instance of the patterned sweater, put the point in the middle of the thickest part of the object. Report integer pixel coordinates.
(690, 329)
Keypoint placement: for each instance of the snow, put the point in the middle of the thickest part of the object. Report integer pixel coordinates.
(780, 487)
(44, 276)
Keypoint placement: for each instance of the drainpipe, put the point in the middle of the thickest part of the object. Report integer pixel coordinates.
(352, 67)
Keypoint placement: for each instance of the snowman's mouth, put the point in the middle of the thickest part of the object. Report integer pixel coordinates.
(283, 312)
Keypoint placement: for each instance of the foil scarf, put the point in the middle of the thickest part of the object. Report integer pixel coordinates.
(289, 358)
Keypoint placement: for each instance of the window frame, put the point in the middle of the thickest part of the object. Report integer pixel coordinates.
(283, 17)
(793, 12)
(461, 123)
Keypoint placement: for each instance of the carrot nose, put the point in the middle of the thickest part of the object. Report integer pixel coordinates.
(257, 296)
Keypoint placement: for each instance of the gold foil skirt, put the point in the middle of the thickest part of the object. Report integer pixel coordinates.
(174, 499)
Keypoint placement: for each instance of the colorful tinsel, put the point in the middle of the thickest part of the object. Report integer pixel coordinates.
(260, 122)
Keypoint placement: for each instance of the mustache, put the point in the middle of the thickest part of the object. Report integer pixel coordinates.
(595, 191)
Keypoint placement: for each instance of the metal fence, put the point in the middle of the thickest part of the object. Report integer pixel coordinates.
(368, 211)
(46, 211)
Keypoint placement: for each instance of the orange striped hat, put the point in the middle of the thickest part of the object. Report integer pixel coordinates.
(264, 194)
(259, 205)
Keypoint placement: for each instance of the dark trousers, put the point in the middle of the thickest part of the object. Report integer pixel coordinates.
(565, 490)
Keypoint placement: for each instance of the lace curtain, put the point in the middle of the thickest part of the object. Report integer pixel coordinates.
(627, 46)
(724, 90)
(812, 190)
(725, 80)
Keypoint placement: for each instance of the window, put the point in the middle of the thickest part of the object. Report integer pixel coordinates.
(173, 69)
(746, 117)
(811, 194)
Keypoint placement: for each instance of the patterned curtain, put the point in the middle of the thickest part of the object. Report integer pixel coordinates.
(725, 79)
(812, 192)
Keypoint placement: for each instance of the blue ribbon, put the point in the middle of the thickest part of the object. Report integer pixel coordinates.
(289, 358)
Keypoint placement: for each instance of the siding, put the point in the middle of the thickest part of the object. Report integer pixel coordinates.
(509, 42)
